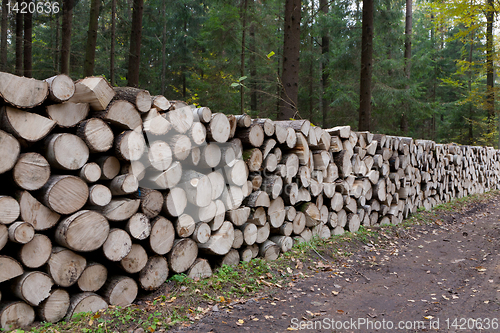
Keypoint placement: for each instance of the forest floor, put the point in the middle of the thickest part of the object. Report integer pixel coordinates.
(433, 276)
(437, 271)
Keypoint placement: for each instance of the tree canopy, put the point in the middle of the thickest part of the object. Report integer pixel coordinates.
(230, 55)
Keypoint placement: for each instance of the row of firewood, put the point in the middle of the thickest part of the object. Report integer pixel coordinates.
(110, 190)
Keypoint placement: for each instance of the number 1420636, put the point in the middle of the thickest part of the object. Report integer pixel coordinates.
(33, 7)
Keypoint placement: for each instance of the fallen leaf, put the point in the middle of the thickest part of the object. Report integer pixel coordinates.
(241, 321)
(172, 299)
(289, 270)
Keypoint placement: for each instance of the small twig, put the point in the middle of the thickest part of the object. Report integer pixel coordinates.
(319, 254)
(366, 277)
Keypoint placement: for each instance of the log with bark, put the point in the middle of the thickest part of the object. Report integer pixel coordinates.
(93, 277)
(96, 134)
(61, 88)
(25, 126)
(22, 92)
(138, 97)
(68, 114)
(54, 307)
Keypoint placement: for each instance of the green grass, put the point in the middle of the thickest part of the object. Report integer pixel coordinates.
(188, 299)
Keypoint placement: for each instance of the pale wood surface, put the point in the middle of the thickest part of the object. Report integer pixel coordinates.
(22, 92)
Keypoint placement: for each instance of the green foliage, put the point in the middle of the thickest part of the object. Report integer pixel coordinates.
(442, 99)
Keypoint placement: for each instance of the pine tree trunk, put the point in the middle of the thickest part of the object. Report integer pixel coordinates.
(408, 33)
(325, 49)
(112, 50)
(253, 70)
(366, 67)
(291, 50)
(19, 41)
(164, 47)
(66, 35)
(471, 104)
(88, 69)
(135, 44)
(56, 45)
(3, 38)
(243, 16)
(407, 58)
(490, 71)
(28, 30)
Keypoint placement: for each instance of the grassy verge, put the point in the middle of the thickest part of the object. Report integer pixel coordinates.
(185, 300)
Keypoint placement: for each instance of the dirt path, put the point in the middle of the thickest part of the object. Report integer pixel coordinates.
(440, 274)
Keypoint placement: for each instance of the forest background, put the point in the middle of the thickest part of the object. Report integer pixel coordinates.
(432, 63)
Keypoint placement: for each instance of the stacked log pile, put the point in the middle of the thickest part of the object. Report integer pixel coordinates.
(108, 191)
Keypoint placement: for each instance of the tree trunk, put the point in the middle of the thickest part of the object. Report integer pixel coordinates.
(490, 71)
(407, 65)
(325, 49)
(66, 35)
(135, 44)
(471, 104)
(163, 47)
(19, 40)
(243, 16)
(3, 37)
(253, 70)
(365, 92)
(28, 31)
(88, 69)
(56, 50)
(112, 50)
(291, 51)
(408, 33)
